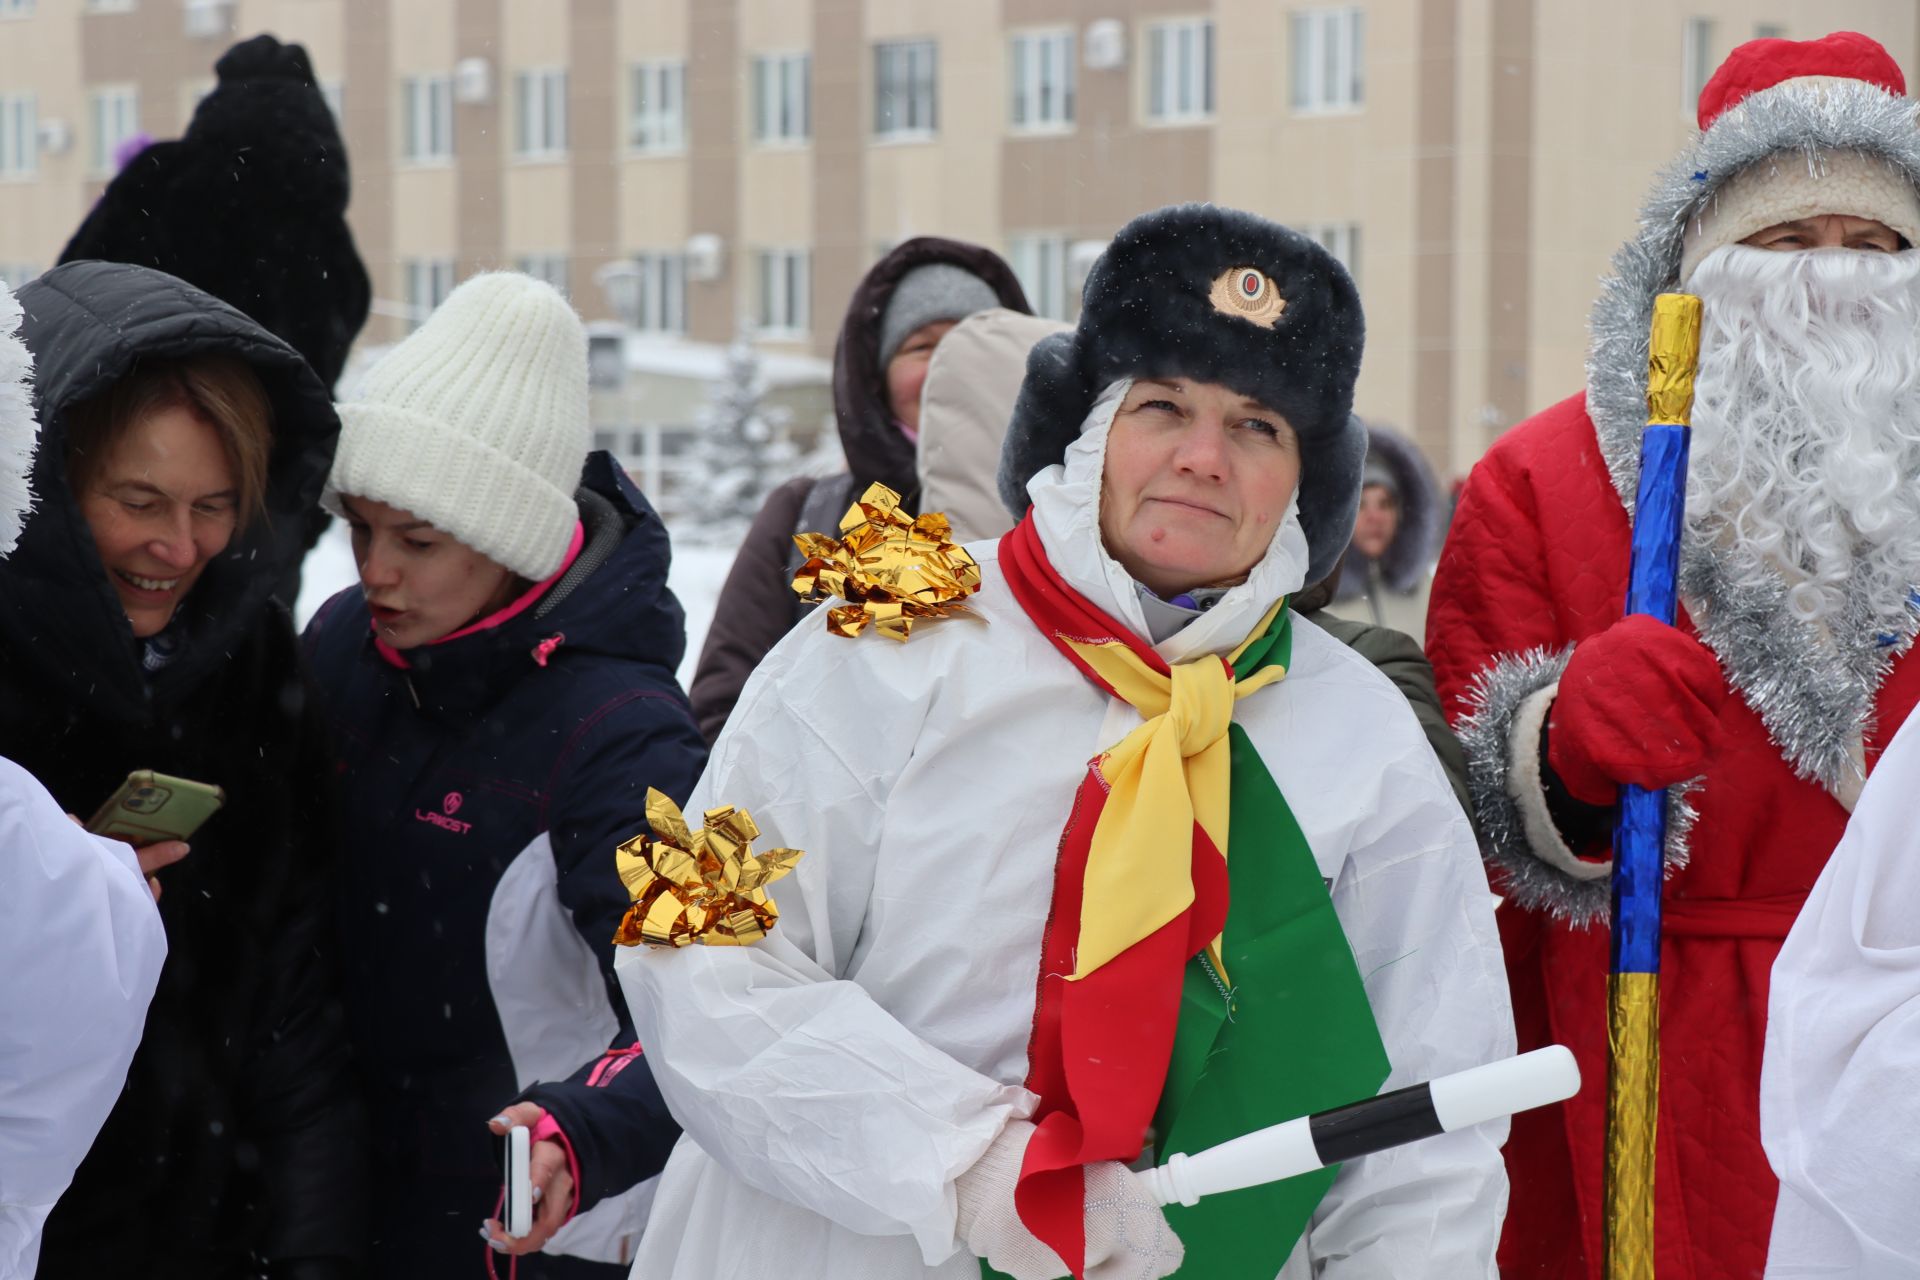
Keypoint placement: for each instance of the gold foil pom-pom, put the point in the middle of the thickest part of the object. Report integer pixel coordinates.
(890, 569)
(706, 886)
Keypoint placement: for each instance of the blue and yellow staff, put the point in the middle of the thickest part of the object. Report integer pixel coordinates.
(1639, 834)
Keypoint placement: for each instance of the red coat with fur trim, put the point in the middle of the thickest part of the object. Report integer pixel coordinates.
(1537, 559)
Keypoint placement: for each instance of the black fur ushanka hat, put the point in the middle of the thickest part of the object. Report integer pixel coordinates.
(1217, 295)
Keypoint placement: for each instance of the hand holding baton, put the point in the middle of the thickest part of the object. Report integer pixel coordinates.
(1445, 1105)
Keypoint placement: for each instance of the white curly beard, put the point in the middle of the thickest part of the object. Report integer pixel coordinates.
(1806, 430)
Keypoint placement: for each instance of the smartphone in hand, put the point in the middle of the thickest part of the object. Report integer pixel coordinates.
(517, 1154)
(150, 807)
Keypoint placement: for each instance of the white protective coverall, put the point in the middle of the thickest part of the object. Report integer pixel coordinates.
(1839, 1106)
(837, 1077)
(80, 950)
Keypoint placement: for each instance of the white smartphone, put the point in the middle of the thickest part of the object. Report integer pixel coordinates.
(519, 1206)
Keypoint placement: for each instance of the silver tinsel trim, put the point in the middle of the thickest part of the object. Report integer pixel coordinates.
(1812, 699)
(1517, 870)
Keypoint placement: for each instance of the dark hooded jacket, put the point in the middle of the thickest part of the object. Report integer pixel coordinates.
(757, 604)
(238, 1136)
(250, 205)
(1391, 589)
(488, 780)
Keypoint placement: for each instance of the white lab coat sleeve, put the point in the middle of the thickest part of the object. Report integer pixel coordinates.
(1419, 915)
(81, 946)
(788, 1075)
(1839, 1114)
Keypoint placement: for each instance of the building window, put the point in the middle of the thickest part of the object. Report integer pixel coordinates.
(109, 6)
(905, 89)
(782, 97)
(1042, 79)
(333, 91)
(115, 117)
(1328, 61)
(426, 119)
(1696, 66)
(1342, 240)
(429, 281)
(1769, 31)
(659, 119)
(19, 135)
(785, 279)
(539, 114)
(663, 293)
(550, 267)
(16, 8)
(15, 274)
(1040, 260)
(1180, 70)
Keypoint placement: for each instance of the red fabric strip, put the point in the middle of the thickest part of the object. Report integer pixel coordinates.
(1100, 1047)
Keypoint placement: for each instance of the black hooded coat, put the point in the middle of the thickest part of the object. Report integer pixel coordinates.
(757, 604)
(239, 1137)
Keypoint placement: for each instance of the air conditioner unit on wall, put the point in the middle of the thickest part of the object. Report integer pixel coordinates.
(473, 82)
(206, 19)
(56, 137)
(706, 258)
(1106, 45)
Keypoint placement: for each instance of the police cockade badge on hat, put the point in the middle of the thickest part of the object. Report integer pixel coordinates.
(1248, 293)
(706, 886)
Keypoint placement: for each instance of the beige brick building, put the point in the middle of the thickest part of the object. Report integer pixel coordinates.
(1475, 161)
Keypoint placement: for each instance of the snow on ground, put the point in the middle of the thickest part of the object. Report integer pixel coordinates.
(696, 575)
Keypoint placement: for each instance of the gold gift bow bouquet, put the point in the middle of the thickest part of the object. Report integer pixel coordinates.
(706, 886)
(891, 568)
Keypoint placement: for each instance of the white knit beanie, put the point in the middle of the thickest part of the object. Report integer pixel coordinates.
(477, 423)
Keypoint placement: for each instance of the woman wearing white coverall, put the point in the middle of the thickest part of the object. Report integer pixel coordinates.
(1839, 1114)
(854, 1087)
(80, 942)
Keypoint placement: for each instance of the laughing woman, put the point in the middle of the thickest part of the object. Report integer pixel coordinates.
(864, 1090)
(502, 687)
(181, 447)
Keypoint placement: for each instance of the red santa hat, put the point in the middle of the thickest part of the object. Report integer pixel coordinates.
(1789, 186)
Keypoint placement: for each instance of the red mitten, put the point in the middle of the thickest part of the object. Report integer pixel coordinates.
(1639, 703)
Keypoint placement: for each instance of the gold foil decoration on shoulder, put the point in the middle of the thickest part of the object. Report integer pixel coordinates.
(1249, 294)
(1673, 355)
(706, 886)
(891, 569)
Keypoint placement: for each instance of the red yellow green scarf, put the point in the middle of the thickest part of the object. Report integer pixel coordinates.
(1168, 1006)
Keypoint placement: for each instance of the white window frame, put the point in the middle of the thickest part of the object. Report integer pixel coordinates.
(663, 291)
(1041, 81)
(783, 282)
(906, 90)
(426, 120)
(1179, 70)
(428, 282)
(540, 113)
(1039, 259)
(16, 8)
(780, 89)
(334, 93)
(550, 267)
(19, 136)
(1696, 61)
(657, 110)
(1329, 60)
(124, 102)
(1343, 240)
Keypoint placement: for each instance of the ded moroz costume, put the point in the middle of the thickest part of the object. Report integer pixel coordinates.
(902, 1077)
(1789, 668)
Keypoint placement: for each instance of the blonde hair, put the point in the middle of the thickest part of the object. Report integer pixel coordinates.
(222, 391)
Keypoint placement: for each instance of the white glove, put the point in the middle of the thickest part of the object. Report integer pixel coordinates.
(1127, 1236)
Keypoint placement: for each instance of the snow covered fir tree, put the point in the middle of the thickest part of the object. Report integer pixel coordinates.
(742, 451)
